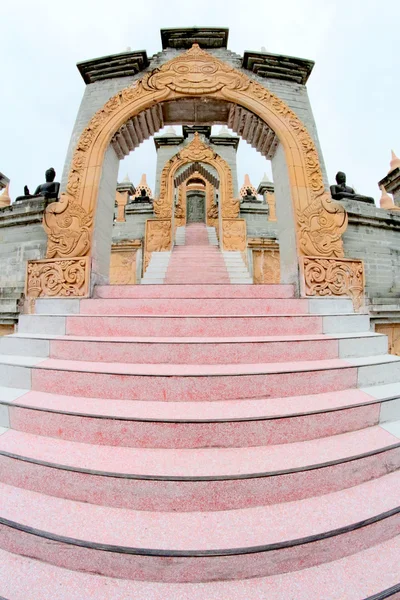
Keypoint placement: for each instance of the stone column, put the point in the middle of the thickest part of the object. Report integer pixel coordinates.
(267, 189)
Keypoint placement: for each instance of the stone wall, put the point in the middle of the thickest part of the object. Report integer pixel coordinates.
(373, 235)
(22, 238)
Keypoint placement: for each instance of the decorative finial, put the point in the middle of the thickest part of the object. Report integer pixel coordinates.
(263, 49)
(5, 199)
(395, 162)
(248, 190)
(126, 179)
(385, 200)
(147, 193)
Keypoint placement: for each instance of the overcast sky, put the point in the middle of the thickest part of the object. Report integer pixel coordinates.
(354, 88)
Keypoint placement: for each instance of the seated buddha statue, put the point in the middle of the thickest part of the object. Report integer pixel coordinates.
(341, 191)
(144, 197)
(249, 196)
(49, 190)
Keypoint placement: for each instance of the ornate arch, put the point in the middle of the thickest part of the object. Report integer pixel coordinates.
(319, 221)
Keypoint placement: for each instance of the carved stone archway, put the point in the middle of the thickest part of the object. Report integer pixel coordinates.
(318, 222)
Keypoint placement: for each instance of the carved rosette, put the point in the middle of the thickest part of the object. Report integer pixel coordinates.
(234, 234)
(334, 277)
(58, 277)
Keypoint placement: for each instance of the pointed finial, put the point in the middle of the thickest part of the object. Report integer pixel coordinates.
(143, 180)
(5, 199)
(263, 49)
(395, 162)
(385, 200)
(126, 179)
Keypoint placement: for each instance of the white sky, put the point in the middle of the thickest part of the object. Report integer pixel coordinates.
(354, 88)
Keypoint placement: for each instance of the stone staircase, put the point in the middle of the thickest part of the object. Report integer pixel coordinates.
(200, 442)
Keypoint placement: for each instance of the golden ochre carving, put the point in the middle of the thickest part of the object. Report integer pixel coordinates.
(266, 260)
(196, 73)
(68, 227)
(123, 262)
(321, 226)
(58, 277)
(180, 208)
(234, 234)
(334, 277)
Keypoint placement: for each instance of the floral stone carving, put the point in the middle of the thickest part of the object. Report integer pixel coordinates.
(58, 277)
(334, 277)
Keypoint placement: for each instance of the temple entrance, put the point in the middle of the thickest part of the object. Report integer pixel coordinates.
(196, 212)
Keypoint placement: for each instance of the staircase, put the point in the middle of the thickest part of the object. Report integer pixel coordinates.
(198, 442)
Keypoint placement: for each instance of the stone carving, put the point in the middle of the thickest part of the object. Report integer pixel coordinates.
(332, 277)
(266, 260)
(158, 235)
(180, 208)
(196, 73)
(321, 226)
(123, 263)
(68, 227)
(60, 277)
(248, 192)
(234, 234)
(341, 191)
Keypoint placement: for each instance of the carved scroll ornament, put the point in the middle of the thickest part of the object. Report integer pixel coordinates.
(60, 277)
(334, 277)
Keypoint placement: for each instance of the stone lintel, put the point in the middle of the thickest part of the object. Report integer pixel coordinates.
(261, 242)
(165, 140)
(185, 37)
(3, 181)
(391, 181)
(124, 64)
(229, 140)
(200, 129)
(125, 245)
(278, 66)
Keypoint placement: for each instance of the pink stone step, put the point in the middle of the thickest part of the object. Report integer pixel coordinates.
(191, 382)
(23, 578)
(195, 350)
(194, 291)
(193, 326)
(128, 423)
(194, 547)
(202, 306)
(195, 480)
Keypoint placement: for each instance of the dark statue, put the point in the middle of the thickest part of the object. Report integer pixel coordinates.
(49, 190)
(143, 197)
(341, 191)
(249, 196)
